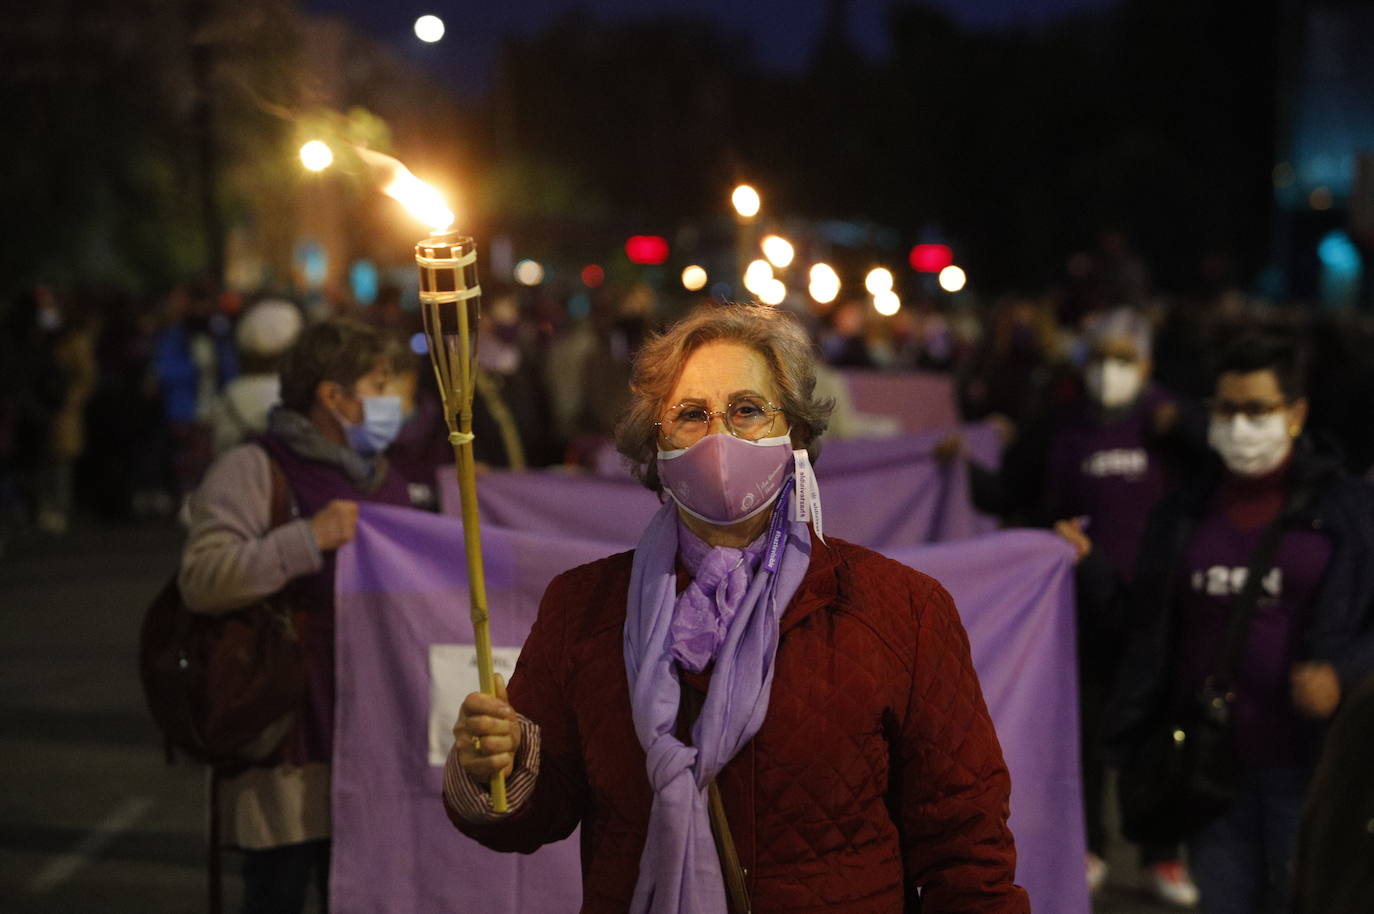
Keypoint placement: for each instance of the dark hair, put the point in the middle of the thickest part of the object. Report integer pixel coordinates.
(771, 332)
(338, 350)
(1252, 352)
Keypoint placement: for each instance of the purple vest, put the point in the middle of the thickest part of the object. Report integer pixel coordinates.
(1110, 474)
(315, 484)
(1268, 732)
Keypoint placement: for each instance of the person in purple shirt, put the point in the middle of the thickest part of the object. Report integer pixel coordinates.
(1311, 637)
(1094, 469)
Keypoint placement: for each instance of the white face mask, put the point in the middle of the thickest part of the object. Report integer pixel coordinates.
(1113, 382)
(1251, 447)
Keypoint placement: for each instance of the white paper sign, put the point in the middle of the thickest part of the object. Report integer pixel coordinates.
(452, 677)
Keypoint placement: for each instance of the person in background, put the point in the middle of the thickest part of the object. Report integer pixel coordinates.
(421, 449)
(73, 351)
(1310, 639)
(264, 334)
(327, 438)
(696, 660)
(1094, 468)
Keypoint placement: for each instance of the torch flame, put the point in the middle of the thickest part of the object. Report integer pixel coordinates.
(422, 201)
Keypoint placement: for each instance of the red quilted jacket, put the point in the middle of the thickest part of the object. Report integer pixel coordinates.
(876, 776)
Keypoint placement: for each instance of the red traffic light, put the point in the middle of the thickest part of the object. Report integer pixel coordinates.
(648, 250)
(931, 258)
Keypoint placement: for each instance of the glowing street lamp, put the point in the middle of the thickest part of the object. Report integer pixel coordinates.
(694, 278)
(878, 280)
(746, 201)
(887, 303)
(825, 283)
(772, 292)
(429, 29)
(316, 156)
(952, 279)
(778, 250)
(756, 275)
(529, 272)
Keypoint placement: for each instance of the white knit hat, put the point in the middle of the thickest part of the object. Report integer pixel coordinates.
(269, 328)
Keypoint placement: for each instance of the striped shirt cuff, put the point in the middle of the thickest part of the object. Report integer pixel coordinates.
(472, 802)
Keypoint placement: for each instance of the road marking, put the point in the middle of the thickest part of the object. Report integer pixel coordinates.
(63, 867)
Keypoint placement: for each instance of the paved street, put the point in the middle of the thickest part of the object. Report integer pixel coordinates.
(92, 820)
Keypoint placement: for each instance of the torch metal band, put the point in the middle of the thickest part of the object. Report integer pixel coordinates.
(439, 298)
(466, 260)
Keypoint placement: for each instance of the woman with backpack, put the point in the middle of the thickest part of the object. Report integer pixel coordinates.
(325, 442)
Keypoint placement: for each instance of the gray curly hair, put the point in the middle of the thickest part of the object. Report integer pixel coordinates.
(771, 332)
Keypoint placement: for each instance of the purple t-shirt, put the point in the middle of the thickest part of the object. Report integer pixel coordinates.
(1108, 473)
(1268, 732)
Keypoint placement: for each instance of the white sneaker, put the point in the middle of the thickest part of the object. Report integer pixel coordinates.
(1170, 882)
(1097, 872)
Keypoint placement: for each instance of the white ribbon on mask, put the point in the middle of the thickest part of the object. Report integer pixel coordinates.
(806, 506)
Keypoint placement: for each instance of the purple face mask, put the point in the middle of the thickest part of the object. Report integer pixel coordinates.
(723, 479)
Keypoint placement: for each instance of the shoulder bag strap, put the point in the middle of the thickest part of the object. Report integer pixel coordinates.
(283, 505)
(736, 884)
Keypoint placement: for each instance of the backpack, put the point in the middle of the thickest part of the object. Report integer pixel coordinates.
(224, 688)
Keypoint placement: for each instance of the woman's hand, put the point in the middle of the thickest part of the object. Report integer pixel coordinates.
(1316, 689)
(487, 734)
(335, 524)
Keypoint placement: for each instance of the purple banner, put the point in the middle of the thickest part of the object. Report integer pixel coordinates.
(881, 493)
(404, 660)
(921, 401)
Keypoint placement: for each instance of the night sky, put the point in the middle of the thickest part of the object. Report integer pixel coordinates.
(782, 31)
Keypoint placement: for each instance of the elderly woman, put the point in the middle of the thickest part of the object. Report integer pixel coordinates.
(740, 713)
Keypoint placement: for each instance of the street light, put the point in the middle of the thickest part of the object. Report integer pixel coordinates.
(778, 250)
(757, 275)
(825, 283)
(952, 279)
(316, 156)
(887, 303)
(429, 29)
(773, 292)
(529, 272)
(878, 280)
(746, 201)
(694, 278)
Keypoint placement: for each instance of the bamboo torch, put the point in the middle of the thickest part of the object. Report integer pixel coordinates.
(450, 304)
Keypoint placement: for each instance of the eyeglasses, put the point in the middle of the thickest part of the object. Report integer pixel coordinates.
(750, 418)
(1250, 409)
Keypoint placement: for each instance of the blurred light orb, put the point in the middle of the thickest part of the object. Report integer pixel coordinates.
(419, 344)
(694, 278)
(746, 201)
(1320, 198)
(825, 283)
(756, 274)
(952, 278)
(878, 280)
(779, 251)
(773, 292)
(316, 156)
(593, 275)
(887, 303)
(529, 272)
(429, 29)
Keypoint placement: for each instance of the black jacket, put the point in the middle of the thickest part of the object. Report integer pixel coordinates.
(1341, 631)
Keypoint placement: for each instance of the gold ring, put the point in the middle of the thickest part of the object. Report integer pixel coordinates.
(477, 744)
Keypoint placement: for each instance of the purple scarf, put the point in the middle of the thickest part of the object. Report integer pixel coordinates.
(679, 871)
